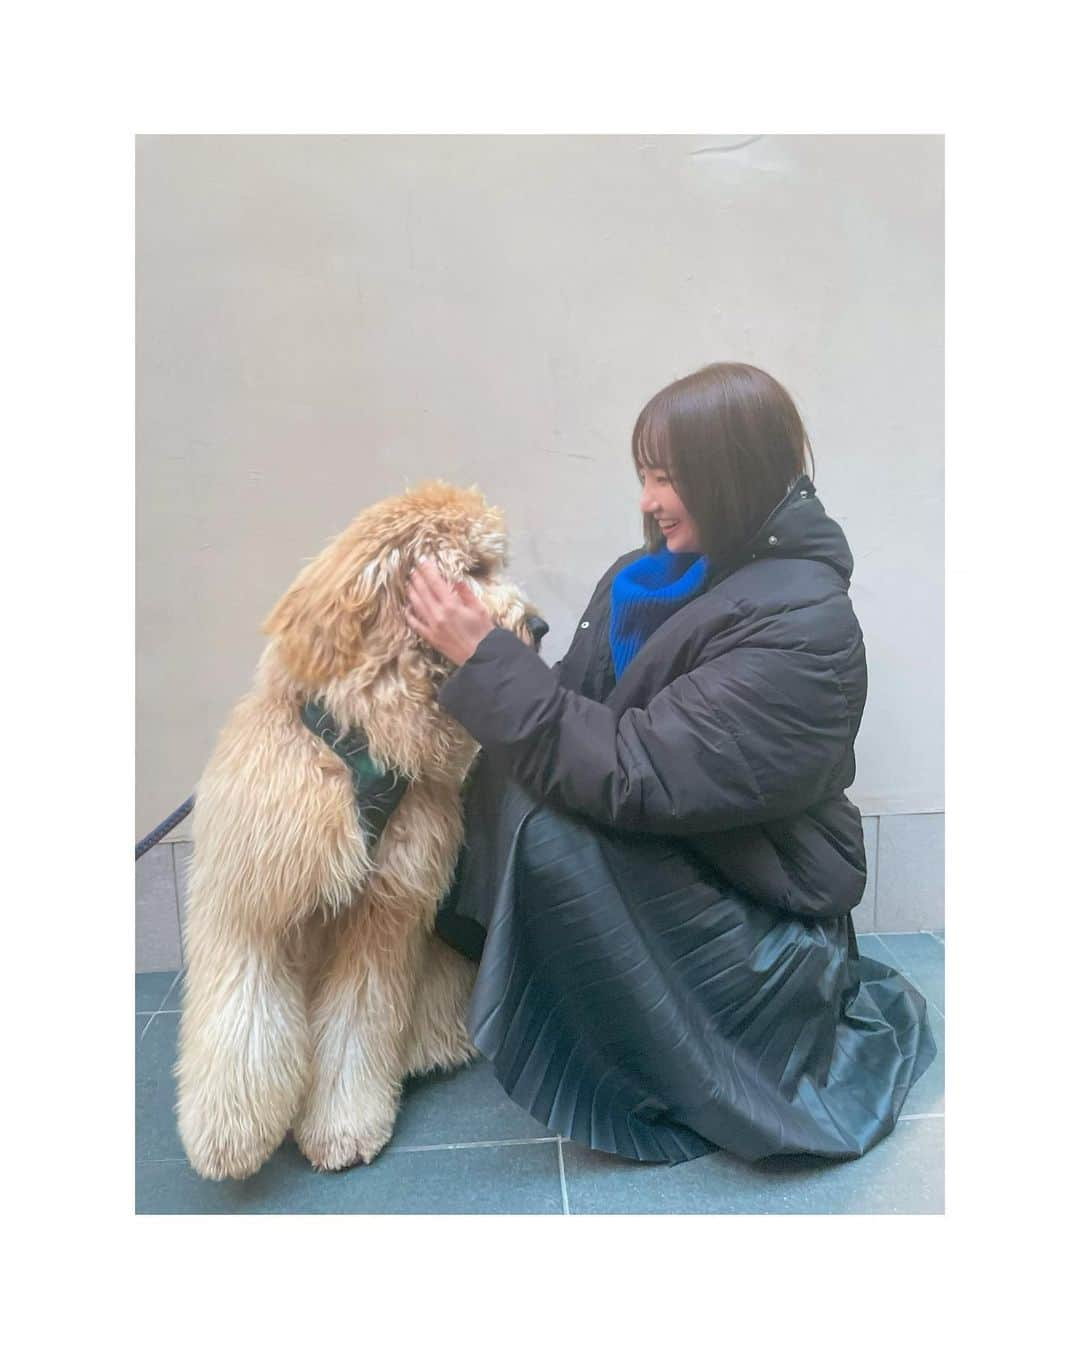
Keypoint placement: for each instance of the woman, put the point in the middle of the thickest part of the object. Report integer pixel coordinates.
(660, 860)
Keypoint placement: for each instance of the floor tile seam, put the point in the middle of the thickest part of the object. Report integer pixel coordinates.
(153, 1012)
(904, 971)
(904, 932)
(415, 1148)
(176, 904)
(562, 1179)
(161, 1012)
(506, 1143)
(471, 1143)
(168, 992)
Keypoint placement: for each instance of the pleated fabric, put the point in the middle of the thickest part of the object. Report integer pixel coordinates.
(633, 1002)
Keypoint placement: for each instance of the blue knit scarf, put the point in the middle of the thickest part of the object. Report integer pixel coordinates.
(645, 593)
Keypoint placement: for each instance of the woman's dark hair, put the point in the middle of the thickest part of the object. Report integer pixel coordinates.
(732, 442)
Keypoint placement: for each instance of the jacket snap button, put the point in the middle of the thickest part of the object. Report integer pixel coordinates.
(773, 539)
(585, 623)
(802, 494)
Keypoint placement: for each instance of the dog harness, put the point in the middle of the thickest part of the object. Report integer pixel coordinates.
(376, 790)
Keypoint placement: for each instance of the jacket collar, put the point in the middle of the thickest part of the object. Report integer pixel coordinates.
(796, 528)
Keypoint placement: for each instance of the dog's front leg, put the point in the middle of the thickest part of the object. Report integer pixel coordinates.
(360, 1022)
(244, 1045)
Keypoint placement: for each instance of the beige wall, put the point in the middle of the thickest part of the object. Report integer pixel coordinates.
(324, 319)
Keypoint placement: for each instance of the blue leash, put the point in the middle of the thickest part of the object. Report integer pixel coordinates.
(166, 825)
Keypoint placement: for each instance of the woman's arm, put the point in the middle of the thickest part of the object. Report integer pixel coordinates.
(752, 735)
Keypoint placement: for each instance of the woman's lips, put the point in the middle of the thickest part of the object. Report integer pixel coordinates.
(668, 528)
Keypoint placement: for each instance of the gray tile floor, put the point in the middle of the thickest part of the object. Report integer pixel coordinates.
(462, 1147)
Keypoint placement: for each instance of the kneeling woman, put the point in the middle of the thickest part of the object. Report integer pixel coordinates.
(660, 860)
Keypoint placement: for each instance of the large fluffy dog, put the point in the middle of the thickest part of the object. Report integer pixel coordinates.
(315, 983)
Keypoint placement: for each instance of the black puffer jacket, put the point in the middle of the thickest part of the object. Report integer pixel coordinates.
(664, 869)
(734, 726)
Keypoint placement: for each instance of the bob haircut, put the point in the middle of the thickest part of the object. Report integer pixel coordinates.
(732, 442)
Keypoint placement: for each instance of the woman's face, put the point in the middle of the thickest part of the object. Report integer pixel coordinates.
(660, 500)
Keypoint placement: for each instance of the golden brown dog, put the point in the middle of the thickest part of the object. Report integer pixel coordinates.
(315, 982)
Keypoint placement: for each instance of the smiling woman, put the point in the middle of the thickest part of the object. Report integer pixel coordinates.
(660, 857)
(725, 443)
(660, 500)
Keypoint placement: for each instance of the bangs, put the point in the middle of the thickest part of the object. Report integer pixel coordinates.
(650, 443)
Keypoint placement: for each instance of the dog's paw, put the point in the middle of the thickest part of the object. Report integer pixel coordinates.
(332, 1152)
(226, 1134)
(340, 1132)
(233, 1156)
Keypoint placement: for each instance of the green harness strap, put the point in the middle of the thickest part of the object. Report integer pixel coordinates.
(376, 790)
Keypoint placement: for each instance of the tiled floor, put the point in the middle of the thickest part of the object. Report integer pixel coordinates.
(462, 1147)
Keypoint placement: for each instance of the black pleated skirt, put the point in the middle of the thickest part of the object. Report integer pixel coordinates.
(631, 1000)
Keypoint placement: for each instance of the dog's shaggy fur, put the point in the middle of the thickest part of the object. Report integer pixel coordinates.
(315, 982)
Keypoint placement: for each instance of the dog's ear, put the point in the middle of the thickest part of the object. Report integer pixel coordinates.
(334, 611)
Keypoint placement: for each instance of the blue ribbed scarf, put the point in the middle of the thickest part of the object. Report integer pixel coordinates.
(645, 593)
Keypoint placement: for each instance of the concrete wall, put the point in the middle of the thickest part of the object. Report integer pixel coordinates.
(322, 320)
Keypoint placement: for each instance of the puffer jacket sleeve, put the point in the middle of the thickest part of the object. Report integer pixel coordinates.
(750, 735)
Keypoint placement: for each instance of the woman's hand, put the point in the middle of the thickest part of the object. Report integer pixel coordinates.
(449, 618)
